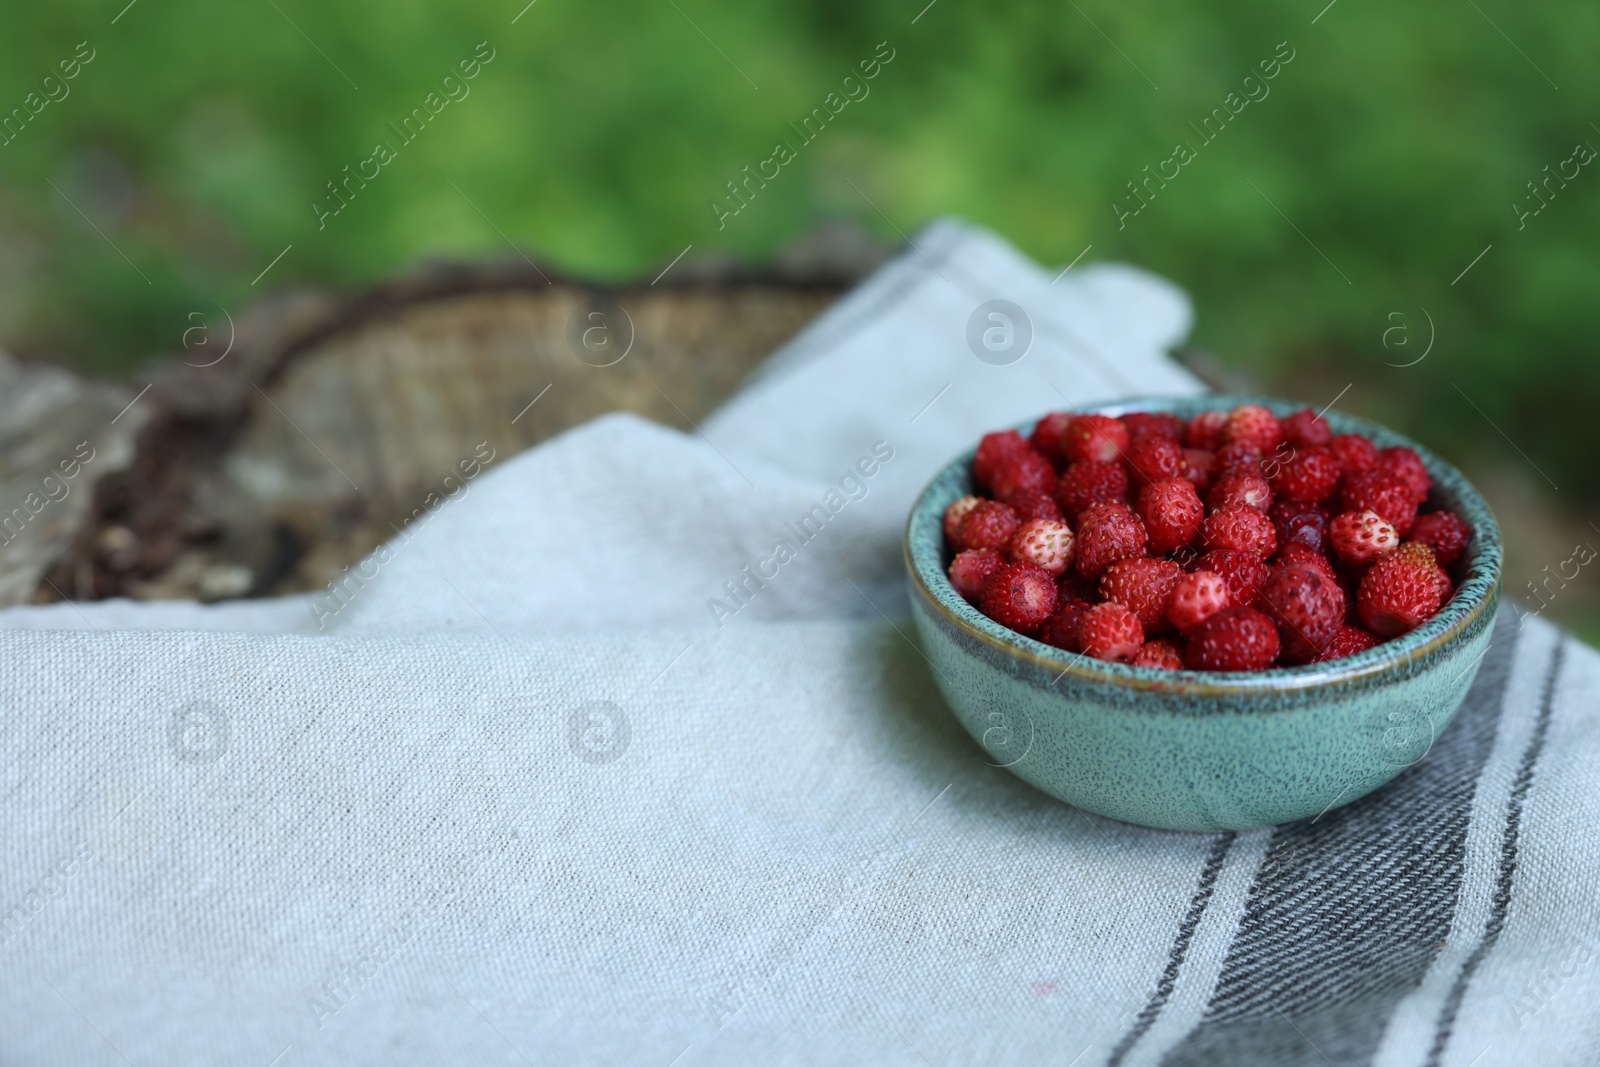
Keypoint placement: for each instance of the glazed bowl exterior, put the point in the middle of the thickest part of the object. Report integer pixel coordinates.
(1190, 750)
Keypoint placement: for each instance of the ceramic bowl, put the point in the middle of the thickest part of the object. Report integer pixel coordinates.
(1192, 750)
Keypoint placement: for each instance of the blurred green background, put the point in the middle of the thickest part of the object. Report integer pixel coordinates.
(1389, 154)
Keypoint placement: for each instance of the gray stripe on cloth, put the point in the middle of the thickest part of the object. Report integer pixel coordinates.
(1356, 905)
(1180, 948)
(1508, 858)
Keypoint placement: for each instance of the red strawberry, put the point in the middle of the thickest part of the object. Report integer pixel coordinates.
(1445, 533)
(1020, 596)
(1240, 489)
(1354, 453)
(1298, 523)
(1306, 429)
(971, 569)
(1362, 537)
(1384, 493)
(1034, 504)
(1310, 475)
(1253, 423)
(1243, 457)
(1244, 573)
(1158, 423)
(1061, 628)
(990, 524)
(1049, 437)
(1095, 437)
(1241, 528)
(1445, 587)
(1107, 533)
(1234, 639)
(1073, 586)
(1144, 587)
(1172, 514)
(1046, 543)
(954, 514)
(1153, 458)
(1205, 430)
(1158, 655)
(1195, 598)
(1295, 552)
(1347, 642)
(1110, 632)
(1307, 605)
(1091, 481)
(1198, 465)
(1024, 472)
(1400, 592)
(993, 450)
(1405, 464)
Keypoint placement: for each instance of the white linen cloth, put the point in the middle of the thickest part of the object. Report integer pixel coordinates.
(530, 797)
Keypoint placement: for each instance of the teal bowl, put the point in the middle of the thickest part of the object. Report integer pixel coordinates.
(1192, 750)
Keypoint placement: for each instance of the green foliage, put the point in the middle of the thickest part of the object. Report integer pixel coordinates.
(1391, 149)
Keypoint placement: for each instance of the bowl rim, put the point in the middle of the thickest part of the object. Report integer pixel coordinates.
(1476, 595)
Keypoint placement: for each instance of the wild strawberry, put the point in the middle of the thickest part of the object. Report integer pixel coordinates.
(1061, 628)
(1241, 528)
(1298, 523)
(1234, 639)
(1095, 437)
(990, 524)
(1159, 423)
(1110, 632)
(1445, 533)
(1253, 423)
(954, 514)
(1310, 475)
(1073, 586)
(1020, 596)
(1405, 464)
(1048, 437)
(1294, 552)
(993, 450)
(1306, 429)
(1198, 465)
(1347, 642)
(1445, 586)
(971, 569)
(1239, 457)
(1024, 472)
(1307, 605)
(1240, 489)
(1091, 481)
(1382, 492)
(1400, 591)
(1205, 430)
(1195, 598)
(1354, 453)
(1035, 504)
(1362, 537)
(1244, 573)
(1107, 533)
(1160, 655)
(1144, 587)
(1045, 543)
(1172, 514)
(1153, 458)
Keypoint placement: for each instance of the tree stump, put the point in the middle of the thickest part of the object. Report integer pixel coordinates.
(272, 467)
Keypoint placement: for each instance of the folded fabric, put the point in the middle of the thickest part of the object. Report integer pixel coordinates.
(563, 778)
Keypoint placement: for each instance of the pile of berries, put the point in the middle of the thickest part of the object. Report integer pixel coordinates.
(1236, 541)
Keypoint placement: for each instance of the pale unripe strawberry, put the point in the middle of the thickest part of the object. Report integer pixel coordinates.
(1361, 538)
(1045, 543)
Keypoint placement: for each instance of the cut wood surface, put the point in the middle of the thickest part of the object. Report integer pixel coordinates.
(330, 421)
